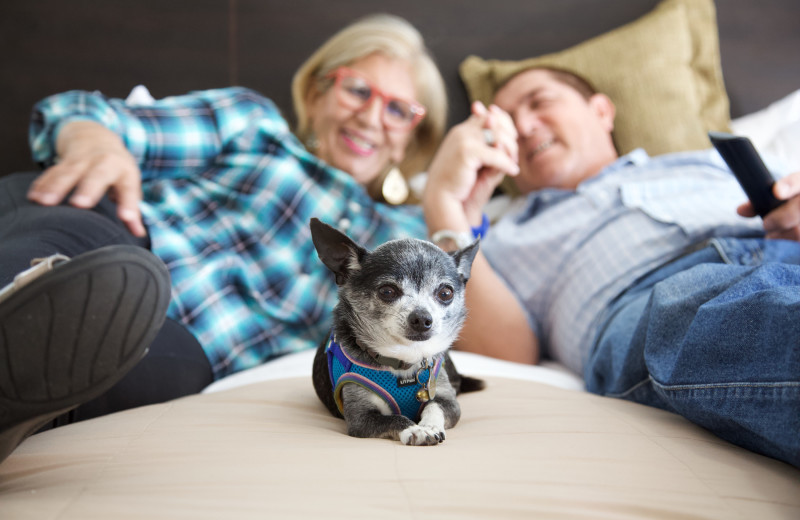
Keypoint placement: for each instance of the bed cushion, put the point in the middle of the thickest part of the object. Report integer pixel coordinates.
(670, 55)
(270, 450)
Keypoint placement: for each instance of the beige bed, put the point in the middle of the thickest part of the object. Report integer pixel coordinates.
(523, 449)
(533, 444)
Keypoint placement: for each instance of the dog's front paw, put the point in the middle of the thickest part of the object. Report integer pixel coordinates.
(419, 435)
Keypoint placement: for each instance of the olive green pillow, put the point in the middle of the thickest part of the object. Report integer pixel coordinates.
(662, 71)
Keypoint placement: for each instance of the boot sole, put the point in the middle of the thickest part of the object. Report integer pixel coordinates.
(70, 335)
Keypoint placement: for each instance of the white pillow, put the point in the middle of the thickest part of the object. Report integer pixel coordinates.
(775, 131)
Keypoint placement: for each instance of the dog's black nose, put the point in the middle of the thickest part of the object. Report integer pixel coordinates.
(420, 320)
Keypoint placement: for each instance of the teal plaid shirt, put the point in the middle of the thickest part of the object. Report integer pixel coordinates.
(228, 195)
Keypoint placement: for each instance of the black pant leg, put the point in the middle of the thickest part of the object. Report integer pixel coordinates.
(29, 230)
(175, 364)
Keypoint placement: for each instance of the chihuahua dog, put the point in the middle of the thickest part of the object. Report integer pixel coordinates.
(400, 309)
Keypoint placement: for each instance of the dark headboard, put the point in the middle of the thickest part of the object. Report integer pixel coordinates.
(174, 46)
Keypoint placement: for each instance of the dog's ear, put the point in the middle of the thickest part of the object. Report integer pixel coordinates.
(464, 258)
(340, 254)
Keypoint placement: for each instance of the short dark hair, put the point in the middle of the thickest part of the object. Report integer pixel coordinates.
(581, 85)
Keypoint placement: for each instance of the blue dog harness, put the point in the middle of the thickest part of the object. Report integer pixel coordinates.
(403, 396)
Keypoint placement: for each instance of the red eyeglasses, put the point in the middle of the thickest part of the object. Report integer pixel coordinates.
(355, 92)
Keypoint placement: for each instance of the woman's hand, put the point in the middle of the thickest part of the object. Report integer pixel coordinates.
(784, 221)
(467, 168)
(93, 161)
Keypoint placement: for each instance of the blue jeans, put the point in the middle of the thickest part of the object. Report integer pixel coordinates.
(715, 337)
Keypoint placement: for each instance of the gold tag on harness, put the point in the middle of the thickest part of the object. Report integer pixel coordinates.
(428, 390)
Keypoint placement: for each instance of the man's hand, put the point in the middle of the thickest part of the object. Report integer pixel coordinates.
(467, 168)
(461, 179)
(784, 221)
(92, 161)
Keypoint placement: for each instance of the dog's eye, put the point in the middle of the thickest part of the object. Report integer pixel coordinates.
(445, 294)
(388, 293)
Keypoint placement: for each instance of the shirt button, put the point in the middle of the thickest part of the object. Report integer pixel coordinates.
(355, 207)
(344, 224)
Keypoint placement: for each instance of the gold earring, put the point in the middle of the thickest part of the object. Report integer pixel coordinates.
(389, 187)
(395, 187)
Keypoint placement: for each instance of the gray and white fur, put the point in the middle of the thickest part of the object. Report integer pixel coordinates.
(405, 301)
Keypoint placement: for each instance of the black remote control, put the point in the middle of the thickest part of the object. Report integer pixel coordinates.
(745, 163)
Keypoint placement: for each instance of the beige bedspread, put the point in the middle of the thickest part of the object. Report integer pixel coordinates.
(270, 450)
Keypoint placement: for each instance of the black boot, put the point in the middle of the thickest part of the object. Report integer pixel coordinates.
(70, 329)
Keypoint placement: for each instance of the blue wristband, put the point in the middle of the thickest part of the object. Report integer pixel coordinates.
(480, 231)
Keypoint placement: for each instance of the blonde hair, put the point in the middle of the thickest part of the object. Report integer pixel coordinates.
(395, 38)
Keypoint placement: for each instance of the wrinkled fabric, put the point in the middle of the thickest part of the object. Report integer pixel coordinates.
(715, 337)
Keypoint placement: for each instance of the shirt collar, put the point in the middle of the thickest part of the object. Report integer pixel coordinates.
(540, 199)
(637, 157)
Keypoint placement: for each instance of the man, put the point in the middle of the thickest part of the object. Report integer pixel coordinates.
(636, 272)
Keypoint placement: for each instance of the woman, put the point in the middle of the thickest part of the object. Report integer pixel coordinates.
(381, 35)
(225, 192)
